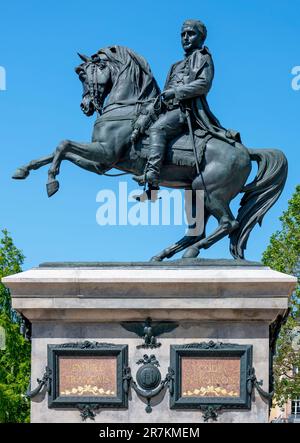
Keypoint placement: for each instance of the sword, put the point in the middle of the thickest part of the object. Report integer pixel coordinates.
(188, 117)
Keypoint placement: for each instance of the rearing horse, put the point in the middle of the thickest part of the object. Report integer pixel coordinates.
(124, 79)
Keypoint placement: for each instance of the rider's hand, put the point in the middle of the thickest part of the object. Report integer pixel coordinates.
(168, 94)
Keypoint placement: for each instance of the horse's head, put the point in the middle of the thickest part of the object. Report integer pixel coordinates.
(95, 75)
(118, 72)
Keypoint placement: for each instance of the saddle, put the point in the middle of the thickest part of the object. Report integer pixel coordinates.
(180, 150)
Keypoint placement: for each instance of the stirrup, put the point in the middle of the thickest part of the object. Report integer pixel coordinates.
(150, 194)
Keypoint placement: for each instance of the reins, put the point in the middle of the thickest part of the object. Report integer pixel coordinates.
(114, 175)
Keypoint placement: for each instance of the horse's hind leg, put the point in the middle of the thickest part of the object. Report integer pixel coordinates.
(196, 229)
(180, 245)
(227, 224)
(23, 172)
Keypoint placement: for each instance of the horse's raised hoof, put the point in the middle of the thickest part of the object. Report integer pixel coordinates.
(191, 252)
(156, 258)
(20, 174)
(52, 187)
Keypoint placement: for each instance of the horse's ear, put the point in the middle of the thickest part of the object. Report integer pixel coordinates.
(85, 58)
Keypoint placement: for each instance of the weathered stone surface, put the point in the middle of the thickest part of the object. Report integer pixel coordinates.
(231, 304)
(255, 333)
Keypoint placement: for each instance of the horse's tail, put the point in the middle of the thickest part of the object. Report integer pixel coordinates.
(260, 195)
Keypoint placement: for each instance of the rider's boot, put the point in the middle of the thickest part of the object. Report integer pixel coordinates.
(156, 156)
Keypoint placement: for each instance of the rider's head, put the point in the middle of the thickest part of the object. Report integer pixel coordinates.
(193, 35)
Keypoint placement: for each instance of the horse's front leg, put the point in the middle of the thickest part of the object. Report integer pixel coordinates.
(53, 184)
(88, 151)
(23, 172)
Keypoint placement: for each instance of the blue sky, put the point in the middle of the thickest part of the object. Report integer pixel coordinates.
(254, 44)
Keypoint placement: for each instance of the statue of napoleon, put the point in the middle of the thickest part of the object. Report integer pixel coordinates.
(171, 139)
(184, 98)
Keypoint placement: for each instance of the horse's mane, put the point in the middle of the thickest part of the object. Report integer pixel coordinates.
(130, 66)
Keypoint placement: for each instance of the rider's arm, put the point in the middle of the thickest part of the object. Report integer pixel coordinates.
(143, 121)
(200, 86)
(169, 76)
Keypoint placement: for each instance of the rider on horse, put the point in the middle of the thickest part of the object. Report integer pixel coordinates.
(125, 79)
(187, 85)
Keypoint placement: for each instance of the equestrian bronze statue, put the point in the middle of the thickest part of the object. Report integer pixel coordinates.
(170, 139)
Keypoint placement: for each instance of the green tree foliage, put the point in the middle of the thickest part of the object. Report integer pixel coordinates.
(283, 254)
(15, 358)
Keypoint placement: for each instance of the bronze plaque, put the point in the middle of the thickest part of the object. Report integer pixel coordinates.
(210, 377)
(88, 376)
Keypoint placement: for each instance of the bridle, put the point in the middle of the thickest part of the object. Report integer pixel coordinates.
(93, 92)
(93, 86)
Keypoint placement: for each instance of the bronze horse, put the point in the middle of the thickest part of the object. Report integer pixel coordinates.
(124, 79)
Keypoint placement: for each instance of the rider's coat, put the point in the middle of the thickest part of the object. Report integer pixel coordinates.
(191, 79)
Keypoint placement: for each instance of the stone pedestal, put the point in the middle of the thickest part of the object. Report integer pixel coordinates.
(223, 301)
